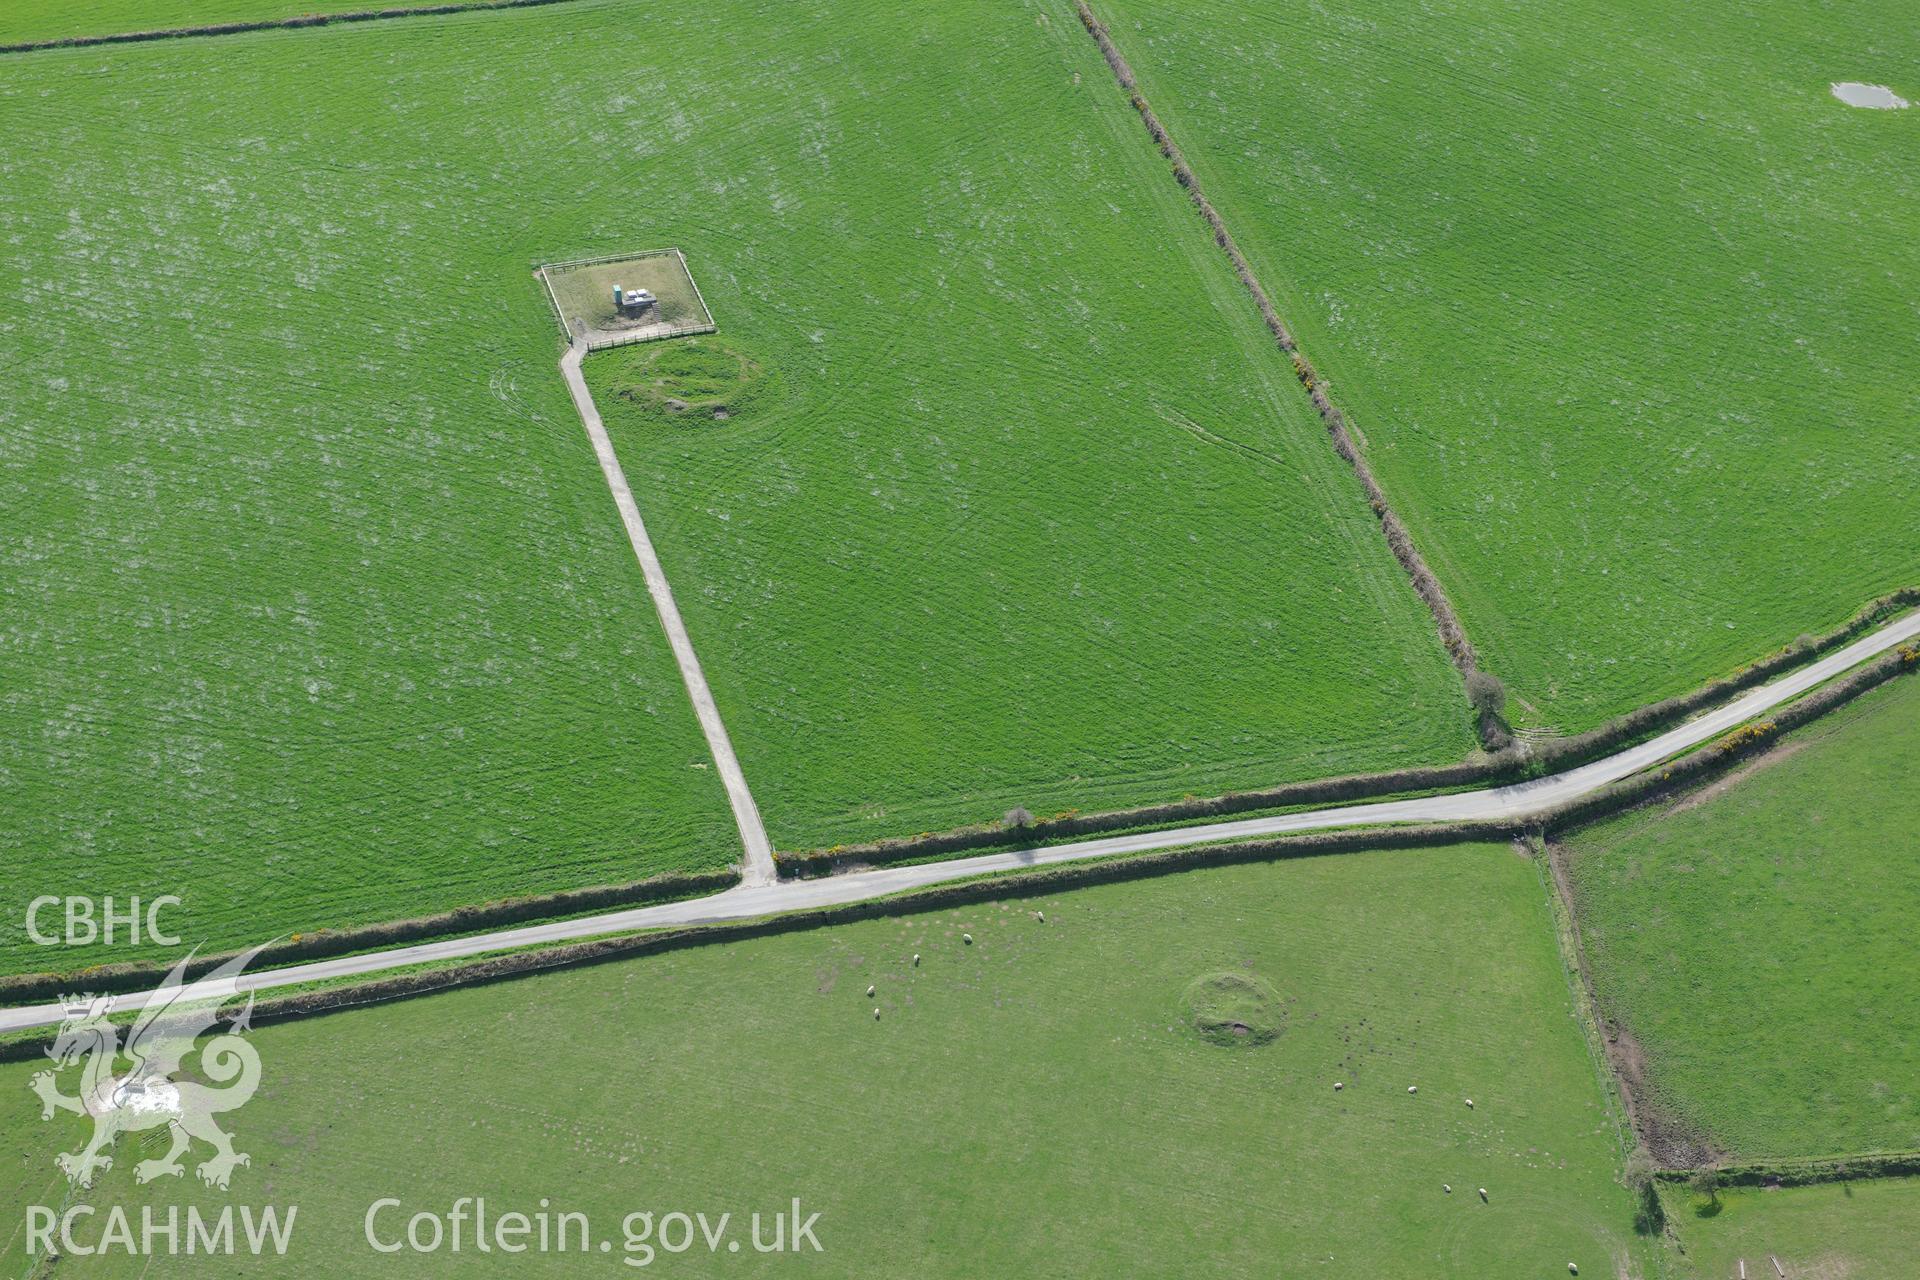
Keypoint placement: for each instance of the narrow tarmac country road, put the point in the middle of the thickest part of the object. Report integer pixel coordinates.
(768, 897)
(758, 866)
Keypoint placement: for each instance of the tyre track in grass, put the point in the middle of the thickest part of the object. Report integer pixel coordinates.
(756, 898)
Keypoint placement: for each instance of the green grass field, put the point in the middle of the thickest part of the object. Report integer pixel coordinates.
(991, 491)
(1621, 301)
(320, 612)
(332, 614)
(1033, 1103)
(1850, 1231)
(1757, 939)
(1041, 519)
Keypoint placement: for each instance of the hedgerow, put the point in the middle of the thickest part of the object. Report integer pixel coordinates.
(291, 22)
(1719, 755)
(323, 943)
(1511, 765)
(1452, 633)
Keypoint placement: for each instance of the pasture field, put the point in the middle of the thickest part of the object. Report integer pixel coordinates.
(1835, 1231)
(1040, 517)
(332, 618)
(1621, 302)
(318, 611)
(1757, 940)
(1033, 1103)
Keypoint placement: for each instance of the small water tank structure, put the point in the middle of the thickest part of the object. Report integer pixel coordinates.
(632, 302)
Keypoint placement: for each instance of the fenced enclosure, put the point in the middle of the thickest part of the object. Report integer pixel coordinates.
(582, 294)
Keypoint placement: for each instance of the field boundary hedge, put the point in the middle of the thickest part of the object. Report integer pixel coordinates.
(1729, 748)
(1493, 731)
(1513, 765)
(1808, 1172)
(1675, 1144)
(986, 888)
(995, 886)
(273, 24)
(327, 943)
(1586, 1005)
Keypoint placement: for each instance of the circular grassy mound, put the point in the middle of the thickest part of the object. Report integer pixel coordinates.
(1234, 1009)
(689, 378)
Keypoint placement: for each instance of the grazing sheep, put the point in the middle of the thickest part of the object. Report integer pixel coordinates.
(1338, 1086)
(1447, 1187)
(876, 1018)
(1413, 1088)
(967, 938)
(1469, 1104)
(1041, 916)
(1483, 1193)
(869, 991)
(1573, 1268)
(916, 959)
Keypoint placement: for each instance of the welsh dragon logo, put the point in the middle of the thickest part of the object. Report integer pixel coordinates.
(148, 1096)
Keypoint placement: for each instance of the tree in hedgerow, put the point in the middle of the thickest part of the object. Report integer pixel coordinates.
(1649, 1215)
(1706, 1184)
(1487, 694)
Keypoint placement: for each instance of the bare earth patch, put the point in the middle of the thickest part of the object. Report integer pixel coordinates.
(1671, 1142)
(1876, 97)
(1785, 751)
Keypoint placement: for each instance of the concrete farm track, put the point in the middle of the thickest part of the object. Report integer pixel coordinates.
(757, 897)
(746, 814)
